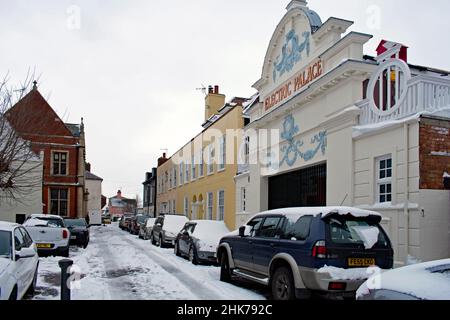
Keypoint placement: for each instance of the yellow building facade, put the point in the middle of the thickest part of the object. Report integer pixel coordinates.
(198, 180)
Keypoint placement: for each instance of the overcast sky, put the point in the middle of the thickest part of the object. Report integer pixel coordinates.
(131, 68)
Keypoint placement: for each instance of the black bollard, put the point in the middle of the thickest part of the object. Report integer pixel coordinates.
(65, 264)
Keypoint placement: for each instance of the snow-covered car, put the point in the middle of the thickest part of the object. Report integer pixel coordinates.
(166, 229)
(423, 281)
(50, 234)
(198, 240)
(147, 228)
(300, 251)
(19, 262)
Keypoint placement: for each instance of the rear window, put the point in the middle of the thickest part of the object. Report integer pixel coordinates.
(356, 232)
(52, 222)
(75, 222)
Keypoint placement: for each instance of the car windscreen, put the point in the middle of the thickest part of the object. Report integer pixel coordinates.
(346, 231)
(5, 244)
(75, 222)
(141, 219)
(52, 222)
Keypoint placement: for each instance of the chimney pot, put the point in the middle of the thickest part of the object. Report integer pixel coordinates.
(216, 89)
(210, 90)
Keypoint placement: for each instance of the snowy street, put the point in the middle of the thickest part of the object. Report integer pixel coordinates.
(119, 266)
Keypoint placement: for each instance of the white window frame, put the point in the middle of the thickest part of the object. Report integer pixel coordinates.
(181, 174)
(201, 170)
(193, 168)
(209, 205)
(187, 170)
(175, 177)
(223, 153)
(186, 207)
(386, 181)
(218, 215)
(211, 159)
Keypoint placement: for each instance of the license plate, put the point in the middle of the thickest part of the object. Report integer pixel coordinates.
(361, 262)
(44, 246)
(73, 237)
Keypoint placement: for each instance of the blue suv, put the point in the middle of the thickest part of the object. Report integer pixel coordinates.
(298, 251)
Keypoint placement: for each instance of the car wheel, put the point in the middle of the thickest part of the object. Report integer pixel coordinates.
(283, 287)
(32, 287)
(85, 244)
(13, 295)
(193, 256)
(225, 271)
(177, 249)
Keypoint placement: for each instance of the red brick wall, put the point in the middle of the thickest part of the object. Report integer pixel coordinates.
(434, 138)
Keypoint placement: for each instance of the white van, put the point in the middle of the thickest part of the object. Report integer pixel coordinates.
(95, 218)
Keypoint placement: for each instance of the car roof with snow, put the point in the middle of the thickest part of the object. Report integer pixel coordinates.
(425, 281)
(316, 211)
(46, 216)
(8, 226)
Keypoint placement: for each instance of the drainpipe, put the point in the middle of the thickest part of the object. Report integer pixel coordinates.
(406, 205)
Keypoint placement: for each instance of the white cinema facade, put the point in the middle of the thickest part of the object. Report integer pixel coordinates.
(351, 132)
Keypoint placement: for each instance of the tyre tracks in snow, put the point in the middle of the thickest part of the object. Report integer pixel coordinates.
(201, 291)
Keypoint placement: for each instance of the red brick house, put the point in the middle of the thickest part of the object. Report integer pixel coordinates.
(119, 205)
(64, 153)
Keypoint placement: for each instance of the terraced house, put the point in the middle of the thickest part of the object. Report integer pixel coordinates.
(198, 180)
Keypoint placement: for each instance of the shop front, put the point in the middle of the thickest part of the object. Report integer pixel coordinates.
(350, 130)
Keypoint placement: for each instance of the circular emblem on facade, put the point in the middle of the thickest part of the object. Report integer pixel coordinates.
(388, 86)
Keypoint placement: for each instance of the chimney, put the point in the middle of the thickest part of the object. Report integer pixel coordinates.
(88, 167)
(119, 194)
(385, 45)
(162, 160)
(214, 101)
(148, 176)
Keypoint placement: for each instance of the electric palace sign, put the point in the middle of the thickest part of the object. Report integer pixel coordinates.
(294, 85)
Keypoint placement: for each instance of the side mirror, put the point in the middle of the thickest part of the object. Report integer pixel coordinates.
(244, 231)
(25, 253)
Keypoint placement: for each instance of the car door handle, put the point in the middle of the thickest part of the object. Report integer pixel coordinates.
(273, 245)
(250, 242)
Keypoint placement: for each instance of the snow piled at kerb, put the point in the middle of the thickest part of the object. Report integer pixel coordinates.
(346, 274)
(209, 234)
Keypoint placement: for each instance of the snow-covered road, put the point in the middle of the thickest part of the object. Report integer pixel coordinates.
(119, 266)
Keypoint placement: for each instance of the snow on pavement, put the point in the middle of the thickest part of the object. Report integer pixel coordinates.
(119, 266)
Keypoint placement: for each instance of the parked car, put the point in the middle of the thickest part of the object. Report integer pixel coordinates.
(79, 231)
(124, 222)
(289, 251)
(198, 240)
(423, 281)
(136, 222)
(106, 219)
(166, 229)
(50, 234)
(19, 262)
(146, 229)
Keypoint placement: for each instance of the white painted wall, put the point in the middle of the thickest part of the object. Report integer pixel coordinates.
(95, 195)
(30, 203)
